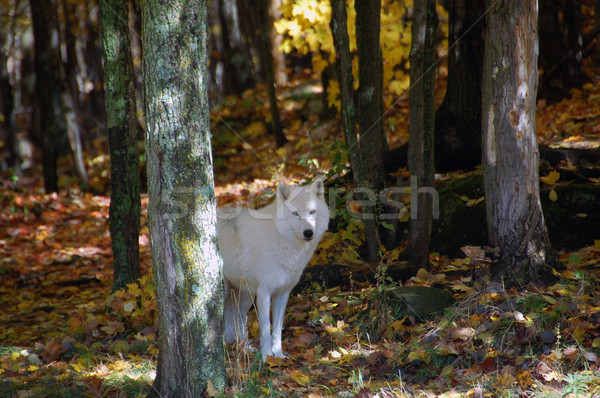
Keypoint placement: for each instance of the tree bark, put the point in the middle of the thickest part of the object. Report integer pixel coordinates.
(514, 214)
(371, 145)
(422, 129)
(46, 87)
(458, 119)
(122, 135)
(182, 205)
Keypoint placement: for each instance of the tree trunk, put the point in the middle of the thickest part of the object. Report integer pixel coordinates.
(458, 119)
(371, 143)
(70, 95)
(596, 56)
(422, 129)
(267, 62)
(182, 205)
(573, 21)
(276, 54)
(122, 135)
(46, 87)
(560, 44)
(238, 73)
(7, 107)
(514, 214)
(93, 58)
(339, 29)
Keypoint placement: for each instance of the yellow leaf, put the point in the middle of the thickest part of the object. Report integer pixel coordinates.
(422, 273)
(398, 87)
(553, 196)
(300, 378)
(447, 371)
(120, 365)
(414, 355)
(302, 141)
(282, 151)
(551, 178)
(333, 94)
(254, 129)
(77, 367)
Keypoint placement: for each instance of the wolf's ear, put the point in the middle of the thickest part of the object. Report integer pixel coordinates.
(283, 191)
(318, 188)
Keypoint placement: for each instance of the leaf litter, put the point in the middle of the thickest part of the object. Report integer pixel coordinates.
(65, 333)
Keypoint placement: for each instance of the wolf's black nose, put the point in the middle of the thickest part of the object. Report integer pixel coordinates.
(308, 234)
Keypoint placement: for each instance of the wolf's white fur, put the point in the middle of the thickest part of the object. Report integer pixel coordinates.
(264, 253)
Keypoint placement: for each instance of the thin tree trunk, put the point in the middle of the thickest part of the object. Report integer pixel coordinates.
(122, 135)
(7, 107)
(371, 145)
(514, 214)
(70, 96)
(182, 205)
(422, 129)
(237, 69)
(276, 54)
(573, 21)
(341, 41)
(597, 27)
(93, 58)
(267, 62)
(46, 87)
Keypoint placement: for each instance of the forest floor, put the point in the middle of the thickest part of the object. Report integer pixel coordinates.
(64, 334)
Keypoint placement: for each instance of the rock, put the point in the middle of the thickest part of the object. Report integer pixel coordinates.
(547, 336)
(420, 300)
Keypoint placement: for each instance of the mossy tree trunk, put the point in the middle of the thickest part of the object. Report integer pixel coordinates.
(371, 143)
(422, 129)
(510, 151)
(122, 129)
(182, 204)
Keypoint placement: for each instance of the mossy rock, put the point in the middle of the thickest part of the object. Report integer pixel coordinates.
(419, 300)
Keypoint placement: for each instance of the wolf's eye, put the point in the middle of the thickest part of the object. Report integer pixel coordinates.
(296, 214)
(313, 211)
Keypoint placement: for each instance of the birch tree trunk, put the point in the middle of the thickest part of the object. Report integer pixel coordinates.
(122, 130)
(514, 214)
(182, 205)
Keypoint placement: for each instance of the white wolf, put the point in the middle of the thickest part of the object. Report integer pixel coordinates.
(264, 253)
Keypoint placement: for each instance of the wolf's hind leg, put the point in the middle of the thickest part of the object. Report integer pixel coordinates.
(237, 305)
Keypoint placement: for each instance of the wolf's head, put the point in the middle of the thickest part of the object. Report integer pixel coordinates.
(301, 211)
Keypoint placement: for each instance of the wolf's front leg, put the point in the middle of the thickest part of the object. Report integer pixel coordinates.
(263, 300)
(279, 304)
